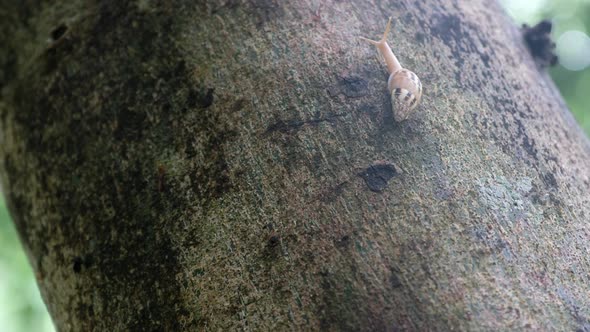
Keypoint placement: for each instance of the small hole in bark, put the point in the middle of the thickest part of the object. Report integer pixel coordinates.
(58, 32)
(77, 264)
(343, 242)
(273, 241)
(394, 281)
(201, 98)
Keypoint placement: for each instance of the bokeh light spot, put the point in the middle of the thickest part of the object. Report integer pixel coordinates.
(573, 49)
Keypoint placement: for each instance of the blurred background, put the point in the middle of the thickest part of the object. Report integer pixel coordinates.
(571, 25)
(21, 307)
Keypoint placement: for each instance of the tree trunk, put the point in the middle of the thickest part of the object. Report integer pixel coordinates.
(235, 166)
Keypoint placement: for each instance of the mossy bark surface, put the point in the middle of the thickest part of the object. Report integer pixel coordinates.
(226, 165)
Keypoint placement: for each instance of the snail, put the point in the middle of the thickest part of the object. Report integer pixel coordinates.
(405, 87)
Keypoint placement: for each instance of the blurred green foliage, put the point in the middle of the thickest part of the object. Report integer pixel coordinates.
(21, 308)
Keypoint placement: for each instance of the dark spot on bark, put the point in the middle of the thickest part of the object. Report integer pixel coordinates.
(485, 59)
(539, 43)
(272, 249)
(273, 241)
(343, 242)
(394, 279)
(58, 32)
(201, 98)
(550, 181)
(350, 86)
(420, 37)
(528, 144)
(408, 19)
(377, 176)
(77, 264)
(161, 178)
(54, 54)
(447, 28)
(465, 40)
(517, 132)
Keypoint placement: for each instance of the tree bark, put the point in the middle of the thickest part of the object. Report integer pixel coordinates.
(227, 165)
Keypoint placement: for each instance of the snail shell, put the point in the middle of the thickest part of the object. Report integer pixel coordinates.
(406, 91)
(405, 86)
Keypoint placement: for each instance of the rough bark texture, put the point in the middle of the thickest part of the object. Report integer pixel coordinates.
(235, 165)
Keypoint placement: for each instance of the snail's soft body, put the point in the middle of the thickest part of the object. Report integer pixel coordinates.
(405, 86)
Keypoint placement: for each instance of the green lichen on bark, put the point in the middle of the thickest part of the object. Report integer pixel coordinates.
(235, 165)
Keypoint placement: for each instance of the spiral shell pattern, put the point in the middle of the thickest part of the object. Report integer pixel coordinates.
(406, 92)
